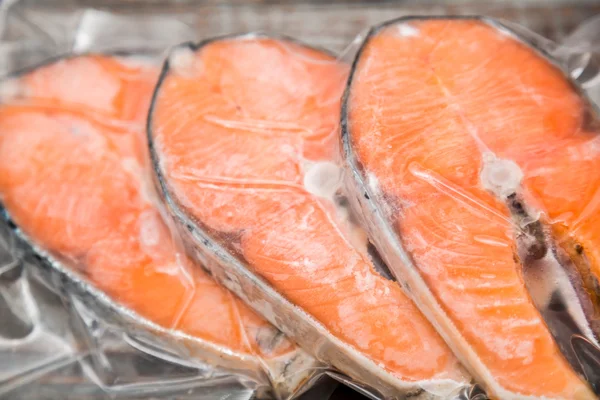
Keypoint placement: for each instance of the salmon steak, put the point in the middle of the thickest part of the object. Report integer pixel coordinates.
(472, 159)
(244, 133)
(75, 179)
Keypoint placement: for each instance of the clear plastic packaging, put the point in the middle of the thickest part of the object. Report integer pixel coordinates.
(91, 349)
(211, 203)
(469, 191)
(108, 336)
(251, 180)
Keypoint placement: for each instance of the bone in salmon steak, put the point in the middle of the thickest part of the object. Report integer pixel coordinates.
(474, 162)
(244, 134)
(74, 176)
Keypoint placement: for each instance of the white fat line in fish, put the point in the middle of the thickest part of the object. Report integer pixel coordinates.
(259, 126)
(454, 191)
(471, 129)
(225, 183)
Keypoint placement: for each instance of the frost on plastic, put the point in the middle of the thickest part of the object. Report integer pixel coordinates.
(78, 194)
(472, 161)
(252, 179)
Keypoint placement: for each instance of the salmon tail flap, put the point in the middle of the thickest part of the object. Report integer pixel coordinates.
(243, 134)
(472, 160)
(76, 185)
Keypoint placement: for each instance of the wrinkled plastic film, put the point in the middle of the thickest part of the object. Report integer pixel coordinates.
(214, 257)
(217, 207)
(61, 351)
(267, 364)
(577, 52)
(384, 185)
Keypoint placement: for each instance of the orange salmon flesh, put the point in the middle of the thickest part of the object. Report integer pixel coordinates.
(74, 176)
(240, 127)
(449, 120)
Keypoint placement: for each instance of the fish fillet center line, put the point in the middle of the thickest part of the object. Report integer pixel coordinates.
(502, 178)
(499, 176)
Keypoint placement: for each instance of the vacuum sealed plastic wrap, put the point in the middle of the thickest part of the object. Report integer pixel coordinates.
(246, 158)
(109, 251)
(472, 160)
(76, 190)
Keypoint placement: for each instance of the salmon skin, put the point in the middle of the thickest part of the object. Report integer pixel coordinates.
(466, 149)
(76, 186)
(243, 134)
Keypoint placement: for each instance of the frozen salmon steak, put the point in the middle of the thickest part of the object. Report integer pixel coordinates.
(471, 157)
(75, 179)
(243, 133)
